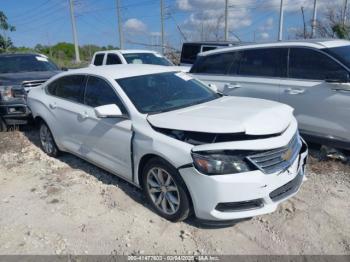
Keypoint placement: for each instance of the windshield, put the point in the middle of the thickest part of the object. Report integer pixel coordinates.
(341, 53)
(147, 58)
(163, 92)
(25, 63)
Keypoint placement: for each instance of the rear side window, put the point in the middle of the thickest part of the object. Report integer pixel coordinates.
(68, 87)
(99, 59)
(113, 59)
(217, 63)
(189, 53)
(263, 62)
(99, 93)
(306, 63)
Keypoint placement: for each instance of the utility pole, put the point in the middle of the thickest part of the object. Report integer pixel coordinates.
(314, 21)
(345, 11)
(162, 25)
(226, 20)
(74, 29)
(280, 32)
(120, 26)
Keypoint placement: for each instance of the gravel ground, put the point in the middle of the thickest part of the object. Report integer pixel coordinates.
(67, 206)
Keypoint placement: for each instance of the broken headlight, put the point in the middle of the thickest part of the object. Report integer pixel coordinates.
(221, 163)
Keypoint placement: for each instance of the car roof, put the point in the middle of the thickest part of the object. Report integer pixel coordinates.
(220, 43)
(122, 70)
(127, 51)
(313, 43)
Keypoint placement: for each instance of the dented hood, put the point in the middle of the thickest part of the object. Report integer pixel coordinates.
(228, 115)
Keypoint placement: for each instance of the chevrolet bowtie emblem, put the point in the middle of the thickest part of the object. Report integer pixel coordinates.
(287, 155)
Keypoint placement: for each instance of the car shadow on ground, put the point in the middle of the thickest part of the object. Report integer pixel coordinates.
(107, 178)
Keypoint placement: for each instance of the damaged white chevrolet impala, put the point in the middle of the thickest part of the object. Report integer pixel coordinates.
(187, 147)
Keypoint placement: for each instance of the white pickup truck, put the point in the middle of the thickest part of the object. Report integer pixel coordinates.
(130, 56)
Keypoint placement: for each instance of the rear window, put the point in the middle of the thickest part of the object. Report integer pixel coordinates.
(99, 59)
(189, 53)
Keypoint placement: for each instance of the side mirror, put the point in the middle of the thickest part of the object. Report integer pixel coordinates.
(108, 111)
(338, 77)
(64, 68)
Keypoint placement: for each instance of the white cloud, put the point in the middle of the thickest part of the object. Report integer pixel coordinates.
(264, 35)
(135, 26)
(209, 14)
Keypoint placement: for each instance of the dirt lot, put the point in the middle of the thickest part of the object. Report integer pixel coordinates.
(65, 205)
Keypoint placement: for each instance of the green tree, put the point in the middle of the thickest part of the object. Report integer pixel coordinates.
(5, 42)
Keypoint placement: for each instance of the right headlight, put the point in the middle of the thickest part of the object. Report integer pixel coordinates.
(221, 163)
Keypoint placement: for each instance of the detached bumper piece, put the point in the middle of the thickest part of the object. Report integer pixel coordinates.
(240, 206)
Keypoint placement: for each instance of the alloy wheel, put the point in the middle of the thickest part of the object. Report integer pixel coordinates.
(46, 139)
(163, 191)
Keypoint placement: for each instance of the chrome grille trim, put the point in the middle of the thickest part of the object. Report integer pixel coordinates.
(32, 83)
(273, 161)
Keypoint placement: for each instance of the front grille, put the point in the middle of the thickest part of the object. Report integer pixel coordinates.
(32, 83)
(277, 160)
(239, 206)
(287, 189)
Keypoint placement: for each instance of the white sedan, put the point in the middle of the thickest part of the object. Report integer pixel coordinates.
(186, 146)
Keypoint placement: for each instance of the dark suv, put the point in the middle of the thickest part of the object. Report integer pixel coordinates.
(19, 73)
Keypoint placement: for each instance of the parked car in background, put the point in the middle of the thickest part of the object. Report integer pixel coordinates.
(130, 56)
(18, 74)
(168, 133)
(312, 76)
(190, 50)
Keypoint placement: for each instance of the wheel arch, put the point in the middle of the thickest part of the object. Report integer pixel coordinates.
(143, 162)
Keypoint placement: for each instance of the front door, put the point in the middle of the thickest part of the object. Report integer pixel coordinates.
(322, 108)
(105, 141)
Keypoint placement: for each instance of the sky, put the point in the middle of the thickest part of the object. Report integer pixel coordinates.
(47, 22)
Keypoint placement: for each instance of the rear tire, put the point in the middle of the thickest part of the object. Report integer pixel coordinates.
(47, 141)
(165, 190)
(3, 126)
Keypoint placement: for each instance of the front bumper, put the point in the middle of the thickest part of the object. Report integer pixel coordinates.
(15, 113)
(237, 196)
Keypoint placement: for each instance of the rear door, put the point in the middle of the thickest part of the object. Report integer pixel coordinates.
(321, 108)
(251, 73)
(65, 105)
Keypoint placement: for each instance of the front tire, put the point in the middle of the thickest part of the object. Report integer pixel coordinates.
(165, 190)
(47, 141)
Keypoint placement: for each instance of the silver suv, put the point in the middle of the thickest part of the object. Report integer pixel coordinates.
(311, 76)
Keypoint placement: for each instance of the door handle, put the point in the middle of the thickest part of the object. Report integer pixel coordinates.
(293, 91)
(232, 85)
(53, 106)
